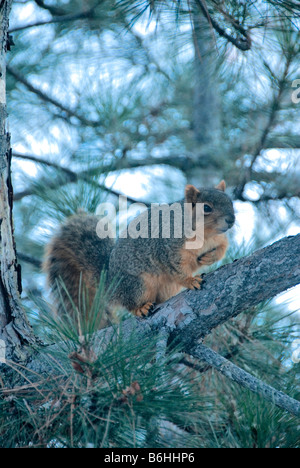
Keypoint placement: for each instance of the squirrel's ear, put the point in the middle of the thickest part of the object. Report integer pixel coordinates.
(191, 194)
(221, 186)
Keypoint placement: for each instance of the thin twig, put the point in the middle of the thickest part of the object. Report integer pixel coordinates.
(54, 20)
(242, 44)
(33, 89)
(274, 108)
(71, 177)
(29, 259)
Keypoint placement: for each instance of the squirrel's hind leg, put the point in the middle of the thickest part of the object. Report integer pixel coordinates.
(193, 282)
(148, 298)
(136, 294)
(144, 310)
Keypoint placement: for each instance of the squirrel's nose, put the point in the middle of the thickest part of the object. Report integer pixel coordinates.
(230, 219)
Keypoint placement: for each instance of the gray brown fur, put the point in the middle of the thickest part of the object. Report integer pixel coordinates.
(76, 255)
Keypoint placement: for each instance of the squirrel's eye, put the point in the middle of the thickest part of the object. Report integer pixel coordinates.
(207, 209)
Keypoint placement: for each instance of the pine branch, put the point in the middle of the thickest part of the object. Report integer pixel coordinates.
(274, 109)
(148, 55)
(284, 195)
(54, 20)
(52, 9)
(36, 262)
(194, 364)
(62, 18)
(246, 380)
(44, 162)
(67, 111)
(230, 290)
(185, 163)
(71, 177)
(243, 44)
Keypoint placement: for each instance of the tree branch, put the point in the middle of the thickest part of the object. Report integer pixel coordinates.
(67, 111)
(59, 16)
(54, 20)
(243, 44)
(70, 177)
(247, 380)
(44, 162)
(229, 291)
(52, 9)
(36, 262)
(274, 109)
(187, 163)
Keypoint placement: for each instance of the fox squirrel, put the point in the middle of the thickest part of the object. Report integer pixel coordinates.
(150, 270)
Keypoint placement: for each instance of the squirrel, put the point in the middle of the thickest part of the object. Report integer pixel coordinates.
(149, 270)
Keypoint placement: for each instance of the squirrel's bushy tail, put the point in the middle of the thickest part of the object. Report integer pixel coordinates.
(76, 256)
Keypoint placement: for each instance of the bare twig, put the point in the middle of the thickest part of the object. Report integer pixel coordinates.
(56, 19)
(274, 108)
(70, 177)
(243, 44)
(30, 259)
(67, 111)
(44, 162)
(186, 163)
(247, 380)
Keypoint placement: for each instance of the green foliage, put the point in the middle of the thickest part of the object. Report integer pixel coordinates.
(106, 390)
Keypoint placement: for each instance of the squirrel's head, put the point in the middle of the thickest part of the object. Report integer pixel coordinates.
(217, 206)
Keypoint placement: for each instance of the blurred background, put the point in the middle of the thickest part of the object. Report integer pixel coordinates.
(139, 98)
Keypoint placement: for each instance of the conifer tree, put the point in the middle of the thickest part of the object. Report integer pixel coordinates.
(162, 92)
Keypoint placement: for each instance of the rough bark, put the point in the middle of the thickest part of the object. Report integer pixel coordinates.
(14, 328)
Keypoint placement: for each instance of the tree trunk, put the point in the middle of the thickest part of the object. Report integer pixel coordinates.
(14, 327)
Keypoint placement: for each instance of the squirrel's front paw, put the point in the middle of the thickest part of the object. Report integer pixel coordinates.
(194, 282)
(144, 310)
(209, 258)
